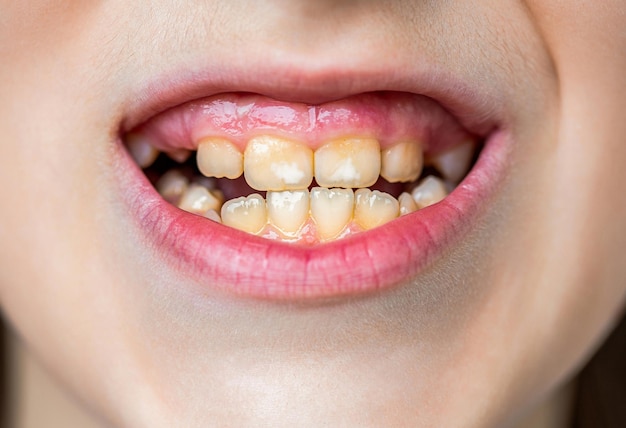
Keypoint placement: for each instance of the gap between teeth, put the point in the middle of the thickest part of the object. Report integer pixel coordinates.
(285, 169)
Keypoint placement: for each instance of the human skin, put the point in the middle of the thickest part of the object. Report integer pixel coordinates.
(478, 336)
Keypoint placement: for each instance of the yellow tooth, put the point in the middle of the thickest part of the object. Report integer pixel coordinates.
(248, 214)
(407, 204)
(429, 191)
(331, 209)
(288, 210)
(141, 150)
(374, 208)
(348, 162)
(218, 157)
(402, 163)
(172, 186)
(272, 163)
(454, 163)
(198, 200)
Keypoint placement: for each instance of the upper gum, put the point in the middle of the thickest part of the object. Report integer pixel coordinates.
(388, 117)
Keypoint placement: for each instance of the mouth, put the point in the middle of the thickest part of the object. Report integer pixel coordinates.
(261, 197)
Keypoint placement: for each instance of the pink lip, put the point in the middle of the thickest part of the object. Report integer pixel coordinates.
(241, 264)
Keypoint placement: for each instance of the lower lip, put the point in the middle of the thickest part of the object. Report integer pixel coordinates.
(237, 263)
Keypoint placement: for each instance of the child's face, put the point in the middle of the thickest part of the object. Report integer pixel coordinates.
(158, 317)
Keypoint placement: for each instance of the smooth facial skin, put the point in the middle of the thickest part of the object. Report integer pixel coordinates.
(475, 339)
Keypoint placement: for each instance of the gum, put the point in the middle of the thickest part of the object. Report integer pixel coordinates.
(390, 117)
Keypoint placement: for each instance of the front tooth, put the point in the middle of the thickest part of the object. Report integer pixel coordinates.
(288, 210)
(198, 200)
(331, 209)
(407, 204)
(349, 162)
(248, 214)
(172, 186)
(272, 163)
(429, 191)
(402, 163)
(218, 157)
(141, 150)
(454, 163)
(374, 208)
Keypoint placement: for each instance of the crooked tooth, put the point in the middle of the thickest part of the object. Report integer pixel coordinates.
(272, 163)
(407, 204)
(172, 185)
(374, 208)
(218, 157)
(331, 209)
(198, 200)
(429, 191)
(141, 150)
(402, 163)
(248, 214)
(288, 210)
(453, 164)
(348, 162)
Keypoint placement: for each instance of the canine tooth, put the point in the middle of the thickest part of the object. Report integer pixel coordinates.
(288, 210)
(454, 164)
(402, 162)
(172, 185)
(429, 191)
(198, 200)
(248, 214)
(218, 157)
(374, 208)
(272, 163)
(407, 204)
(348, 162)
(331, 209)
(141, 150)
(179, 155)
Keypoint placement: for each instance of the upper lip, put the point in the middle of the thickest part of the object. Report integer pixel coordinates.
(478, 111)
(256, 267)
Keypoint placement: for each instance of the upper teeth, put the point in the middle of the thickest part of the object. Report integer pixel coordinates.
(286, 169)
(272, 163)
(350, 162)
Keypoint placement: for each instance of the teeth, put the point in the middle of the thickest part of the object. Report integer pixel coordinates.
(198, 200)
(179, 155)
(351, 162)
(288, 210)
(219, 158)
(172, 186)
(429, 191)
(402, 162)
(272, 163)
(455, 163)
(213, 215)
(407, 204)
(141, 150)
(248, 214)
(374, 208)
(331, 209)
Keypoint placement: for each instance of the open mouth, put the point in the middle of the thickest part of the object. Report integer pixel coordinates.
(304, 174)
(293, 200)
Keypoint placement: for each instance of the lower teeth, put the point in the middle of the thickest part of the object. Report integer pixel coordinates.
(304, 216)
